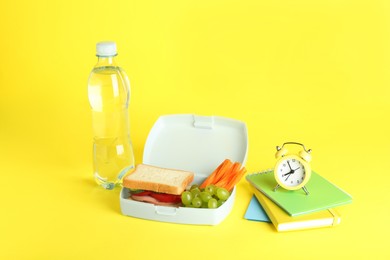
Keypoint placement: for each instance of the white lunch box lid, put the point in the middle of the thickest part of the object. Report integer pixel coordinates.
(192, 143)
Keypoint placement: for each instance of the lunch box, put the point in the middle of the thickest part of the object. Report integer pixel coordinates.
(191, 143)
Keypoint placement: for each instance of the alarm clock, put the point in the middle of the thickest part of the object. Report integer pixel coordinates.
(292, 171)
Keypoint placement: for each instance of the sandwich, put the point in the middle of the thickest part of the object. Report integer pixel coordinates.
(159, 186)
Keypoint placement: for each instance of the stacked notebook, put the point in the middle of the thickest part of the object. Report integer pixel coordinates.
(294, 210)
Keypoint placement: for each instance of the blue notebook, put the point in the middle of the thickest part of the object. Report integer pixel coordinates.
(255, 211)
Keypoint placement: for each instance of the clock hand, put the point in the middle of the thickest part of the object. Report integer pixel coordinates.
(289, 165)
(291, 170)
(289, 173)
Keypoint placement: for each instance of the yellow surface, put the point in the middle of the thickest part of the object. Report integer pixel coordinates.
(315, 72)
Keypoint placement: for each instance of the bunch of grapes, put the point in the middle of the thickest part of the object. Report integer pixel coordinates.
(210, 197)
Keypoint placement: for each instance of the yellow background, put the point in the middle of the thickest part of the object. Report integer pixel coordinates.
(316, 72)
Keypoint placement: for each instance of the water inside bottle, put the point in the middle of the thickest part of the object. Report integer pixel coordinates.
(108, 93)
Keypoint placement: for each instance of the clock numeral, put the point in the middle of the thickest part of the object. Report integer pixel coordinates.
(297, 181)
(293, 160)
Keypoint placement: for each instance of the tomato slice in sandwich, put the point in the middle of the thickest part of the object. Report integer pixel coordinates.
(164, 197)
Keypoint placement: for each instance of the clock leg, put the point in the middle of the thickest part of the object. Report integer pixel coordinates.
(305, 190)
(276, 187)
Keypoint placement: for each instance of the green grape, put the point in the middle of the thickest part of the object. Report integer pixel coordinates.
(211, 189)
(205, 196)
(220, 202)
(196, 202)
(223, 194)
(195, 192)
(186, 198)
(194, 186)
(212, 204)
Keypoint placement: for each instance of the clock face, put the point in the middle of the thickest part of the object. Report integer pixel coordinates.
(291, 172)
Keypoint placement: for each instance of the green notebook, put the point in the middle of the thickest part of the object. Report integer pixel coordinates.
(323, 194)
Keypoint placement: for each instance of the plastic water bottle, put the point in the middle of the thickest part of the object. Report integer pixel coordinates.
(109, 94)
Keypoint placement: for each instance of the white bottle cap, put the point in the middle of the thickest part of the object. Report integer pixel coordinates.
(106, 49)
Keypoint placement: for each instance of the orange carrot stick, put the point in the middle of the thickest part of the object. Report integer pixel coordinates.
(234, 176)
(229, 174)
(211, 178)
(236, 179)
(221, 173)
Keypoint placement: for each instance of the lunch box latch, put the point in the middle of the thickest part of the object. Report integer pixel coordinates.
(166, 211)
(206, 122)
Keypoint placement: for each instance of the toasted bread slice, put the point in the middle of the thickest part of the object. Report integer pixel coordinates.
(147, 177)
